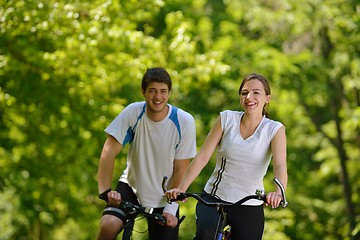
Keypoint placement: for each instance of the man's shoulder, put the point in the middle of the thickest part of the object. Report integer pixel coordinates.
(182, 114)
(134, 108)
(133, 111)
(136, 105)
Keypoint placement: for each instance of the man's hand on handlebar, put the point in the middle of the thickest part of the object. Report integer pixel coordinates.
(171, 220)
(114, 198)
(111, 197)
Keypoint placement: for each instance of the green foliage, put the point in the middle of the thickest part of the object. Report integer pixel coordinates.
(68, 68)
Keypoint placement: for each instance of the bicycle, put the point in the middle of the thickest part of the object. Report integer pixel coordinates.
(223, 231)
(135, 213)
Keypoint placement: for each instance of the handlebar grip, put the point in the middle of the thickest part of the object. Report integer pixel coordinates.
(180, 197)
(103, 195)
(160, 218)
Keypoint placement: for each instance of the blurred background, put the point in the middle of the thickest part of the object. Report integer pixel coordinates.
(67, 68)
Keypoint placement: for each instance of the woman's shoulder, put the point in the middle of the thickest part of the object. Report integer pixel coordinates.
(271, 126)
(230, 118)
(231, 114)
(272, 122)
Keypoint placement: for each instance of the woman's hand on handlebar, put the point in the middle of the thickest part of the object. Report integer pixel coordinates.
(114, 198)
(273, 199)
(172, 193)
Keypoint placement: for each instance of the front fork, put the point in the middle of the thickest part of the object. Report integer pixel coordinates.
(222, 223)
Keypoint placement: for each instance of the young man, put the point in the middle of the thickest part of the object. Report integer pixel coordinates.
(162, 140)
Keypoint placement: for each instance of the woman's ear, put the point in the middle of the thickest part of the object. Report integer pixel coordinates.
(268, 97)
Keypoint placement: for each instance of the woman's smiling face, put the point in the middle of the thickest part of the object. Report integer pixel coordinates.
(253, 96)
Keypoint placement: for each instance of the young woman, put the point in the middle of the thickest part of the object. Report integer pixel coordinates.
(246, 141)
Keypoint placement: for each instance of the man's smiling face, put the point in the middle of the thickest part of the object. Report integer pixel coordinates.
(156, 96)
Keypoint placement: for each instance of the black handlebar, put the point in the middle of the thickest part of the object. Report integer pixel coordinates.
(259, 195)
(197, 196)
(134, 210)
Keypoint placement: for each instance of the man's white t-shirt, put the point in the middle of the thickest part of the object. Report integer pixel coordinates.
(153, 148)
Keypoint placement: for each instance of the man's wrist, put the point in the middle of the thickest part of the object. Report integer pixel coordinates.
(103, 195)
(171, 208)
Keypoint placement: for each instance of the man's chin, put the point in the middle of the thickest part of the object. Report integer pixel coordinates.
(157, 109)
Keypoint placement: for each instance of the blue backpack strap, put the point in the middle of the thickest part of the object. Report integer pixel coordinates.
(130, 133)
(174, 117)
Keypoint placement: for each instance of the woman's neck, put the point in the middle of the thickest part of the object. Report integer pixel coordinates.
(248, 124)
(251, 120)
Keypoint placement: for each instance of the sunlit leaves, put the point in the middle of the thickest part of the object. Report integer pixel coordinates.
(68, 68)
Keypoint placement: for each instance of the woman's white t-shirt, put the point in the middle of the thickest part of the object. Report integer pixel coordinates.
(241, 164)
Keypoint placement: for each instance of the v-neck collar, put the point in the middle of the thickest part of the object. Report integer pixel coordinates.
(256, 129)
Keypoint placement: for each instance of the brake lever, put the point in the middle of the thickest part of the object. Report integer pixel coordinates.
(283, 203)
(163, 183)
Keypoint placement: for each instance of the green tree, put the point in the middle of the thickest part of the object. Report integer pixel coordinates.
(68, 68)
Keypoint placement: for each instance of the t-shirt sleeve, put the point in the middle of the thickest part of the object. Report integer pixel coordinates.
(227, 119)
(120, 128)
(223, 119)
(275, 127)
